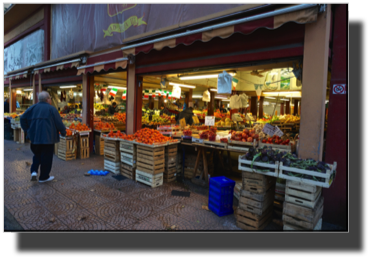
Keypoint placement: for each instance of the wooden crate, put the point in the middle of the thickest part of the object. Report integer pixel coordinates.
(188, 172)
(128, 171)
(257, 183)
(310, 215)
(256, 203)
(112, 166)
(246, 166)
(288, 226)
(84, 153)
(67, 144)
(83, 141)
(66, 155)
(150, 160)
(305, 202)
(250, 221)
(310, 196)
(128, 159)
(99, 145)
(128, 147)
(170, 175)
(56, 148)
(112, 150)
(153, 180)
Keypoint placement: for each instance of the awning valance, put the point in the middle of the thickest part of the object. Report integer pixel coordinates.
(106, 66)
(301, 14)
(59, 66)
(17, 76)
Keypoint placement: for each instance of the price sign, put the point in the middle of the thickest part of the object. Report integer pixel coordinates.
(210, 120)
(278, 132)
(269, 129)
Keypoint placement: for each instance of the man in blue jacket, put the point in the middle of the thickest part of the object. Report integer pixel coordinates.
(42, 122)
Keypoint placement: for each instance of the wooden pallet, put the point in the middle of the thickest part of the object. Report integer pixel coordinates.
(112, 166)
(150, 160)
(128, 171)
(84, 153)
(128, 159)
(65, 155)
(250, 221)
(170, 149)
(288, 226)
(149, 179)
(247, 201)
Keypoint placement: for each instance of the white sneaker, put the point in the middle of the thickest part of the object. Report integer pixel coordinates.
(34, 177)
(51, 178)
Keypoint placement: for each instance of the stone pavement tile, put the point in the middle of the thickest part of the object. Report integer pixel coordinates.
(84, 220)
(152, 193)
(86, 198)
(66, 187)
(60, 205)
(15, 200)
(16, 187)
(160, 203)
(136, 207)
(133, 188)
(114, 214)
(106, 192)
(51, 225)
(41, 191)
(143, 225)
(196, 200)
(166, 221)
(84, 181)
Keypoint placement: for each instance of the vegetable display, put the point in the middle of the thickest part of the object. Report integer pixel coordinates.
(148, 136)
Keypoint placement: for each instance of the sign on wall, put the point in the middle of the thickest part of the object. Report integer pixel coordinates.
(339, 89)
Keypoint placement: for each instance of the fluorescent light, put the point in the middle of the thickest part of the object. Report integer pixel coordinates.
(80, 94)
(282, 93)
(67, 86)
(225, 100)
(220, 97)
(18, 91)
(284, 99)
(213, 89)
(165, 101)
(266, 103)
(181, 85)
(28, 89)
(117, 87)
(270, 98)
(193, 77)
(228, 105)
(197, 96)
(75, 94)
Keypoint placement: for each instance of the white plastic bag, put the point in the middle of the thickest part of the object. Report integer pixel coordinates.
(235, 102)
(206, 96)
(176, 92)
(243, 100)
(224, 83)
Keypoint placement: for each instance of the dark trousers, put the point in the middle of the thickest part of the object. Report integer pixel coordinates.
(43, 155)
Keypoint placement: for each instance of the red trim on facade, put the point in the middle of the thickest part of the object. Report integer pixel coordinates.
(89, 70)
(24, 82)
(189, 39)
(336, 137)
(37, 26)
(251, 26)
(61, 80)
(144, 49)
(66, 66)
(6, 82)
(53, 69)
(47, 23)
(105, 57)
(109, 66)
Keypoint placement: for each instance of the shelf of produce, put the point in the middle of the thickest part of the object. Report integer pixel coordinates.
(248, 144)
(327, 177)
(246, 166)
(287, 148)
(215, 144)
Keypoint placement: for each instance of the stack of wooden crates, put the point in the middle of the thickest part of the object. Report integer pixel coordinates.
(112, 156)
(150, 165)
(303, 206)
(256, 201)
(83, 146)
(99, 144)
(170, 173)
(128, 156)
(67, 148)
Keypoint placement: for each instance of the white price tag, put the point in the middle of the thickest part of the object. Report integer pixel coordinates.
(210, 120)
(278, 132)
(269, 129)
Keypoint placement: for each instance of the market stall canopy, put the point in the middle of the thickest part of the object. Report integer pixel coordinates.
(59, 66)
(20, 75)
(106, 66)
(301, 14)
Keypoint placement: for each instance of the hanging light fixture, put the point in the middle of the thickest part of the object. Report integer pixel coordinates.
(203, 76)
(181, 85)
(68, 86)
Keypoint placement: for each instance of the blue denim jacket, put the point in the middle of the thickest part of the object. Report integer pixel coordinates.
(42, 122)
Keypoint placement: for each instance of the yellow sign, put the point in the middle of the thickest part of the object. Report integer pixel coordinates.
(131, 21)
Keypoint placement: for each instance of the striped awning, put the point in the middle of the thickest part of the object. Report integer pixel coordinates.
(301, 14)
(60, 66)
(17, 76)
(105, 66)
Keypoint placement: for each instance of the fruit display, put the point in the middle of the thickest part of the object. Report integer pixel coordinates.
(117, 134)
(104, 126)
(247, 135)
(289, 118)
(226, 123)
(69, 132)
(223, 140)
(187, 132)
(276, 140)
(202, 127)
(69, 123)
(158, 120)
(121, 117)
(213, 129)
(70, 116)
(79, 127)
(148, 136)
(12, 115)
(204, 135)
(211, 136)
(99, 106)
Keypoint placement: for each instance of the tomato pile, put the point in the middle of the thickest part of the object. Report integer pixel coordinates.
(121, 117)
(244, 136)
(148, 136)
(79, 127)
(275, 140)
(104, 126)
(68, 132)
(187, 132)
(117, 134)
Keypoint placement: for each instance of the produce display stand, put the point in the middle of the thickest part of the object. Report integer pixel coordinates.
(246, 166)
(215, 144)
(328, 177)
(287, 148)
(67, 148)
(112, 155)
(149, 179)
(246, 144)
(128, 152)
(83, 144)
(128, 171)
(170, 172)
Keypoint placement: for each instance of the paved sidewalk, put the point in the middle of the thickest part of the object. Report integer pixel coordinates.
(77, 202)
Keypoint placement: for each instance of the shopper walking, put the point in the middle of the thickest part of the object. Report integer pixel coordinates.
(42, 122)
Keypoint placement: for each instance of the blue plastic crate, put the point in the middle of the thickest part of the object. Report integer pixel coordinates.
(221, 195)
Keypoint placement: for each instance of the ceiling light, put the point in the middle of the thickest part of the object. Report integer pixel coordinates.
(18, 91)
(165, 101)
(225, 100)
(270, 98)
(75, 94)
(266, 103)
(117, 87)
(28, 89)
(282, 93)
(193, 77)
(67, 86)
(181, 85)
(197, 96)
(284, 99)
(213, 89)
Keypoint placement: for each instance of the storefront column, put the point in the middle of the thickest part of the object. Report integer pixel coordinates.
(151, 102)
(88, 104)
(314, 81)
(211, 104)
(138, 104)
(12, 102)
(189, 97)
(131, 99)
(35, 88)
(254, 105)
(261, 107)
(160, 102)
(39, 84)
(282, 109)
(296, 107)
(287, 107)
